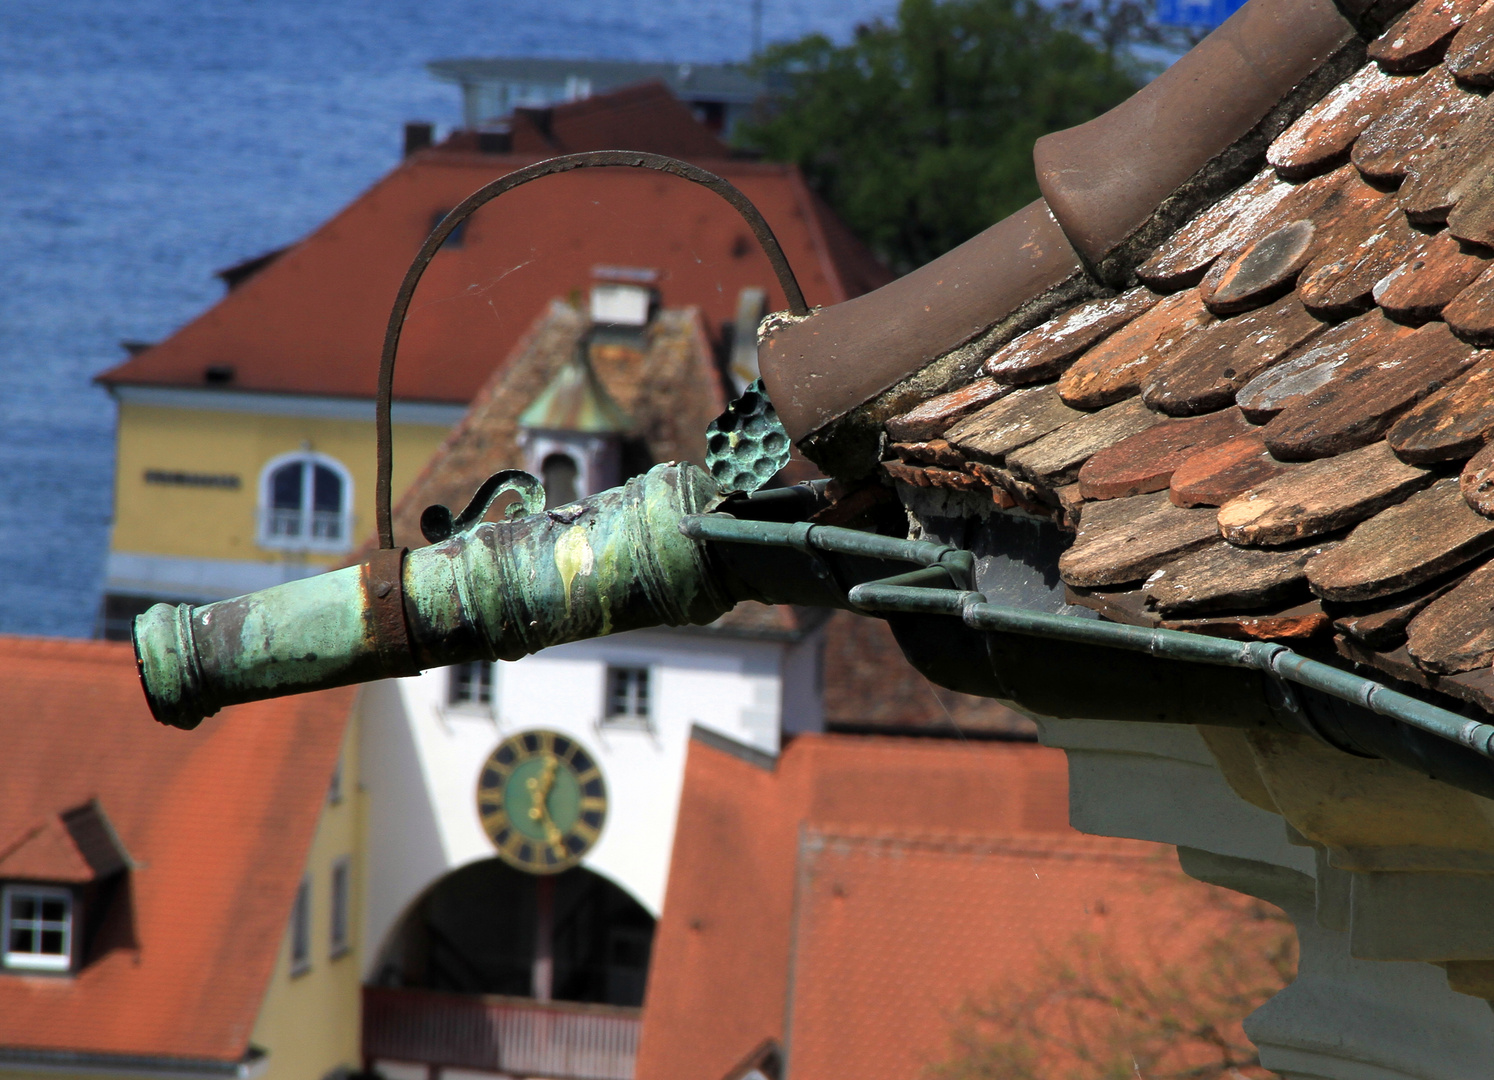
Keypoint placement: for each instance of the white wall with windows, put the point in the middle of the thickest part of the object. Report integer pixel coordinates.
(629, 700)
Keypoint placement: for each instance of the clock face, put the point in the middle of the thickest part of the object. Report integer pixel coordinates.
(542, 801)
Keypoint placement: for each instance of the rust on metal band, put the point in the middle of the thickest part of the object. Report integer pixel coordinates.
(631, 159)
(383, 587)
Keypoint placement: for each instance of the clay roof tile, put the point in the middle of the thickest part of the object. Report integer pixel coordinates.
(1377, 337)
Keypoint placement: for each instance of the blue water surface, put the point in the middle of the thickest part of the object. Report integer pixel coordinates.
(146, 143)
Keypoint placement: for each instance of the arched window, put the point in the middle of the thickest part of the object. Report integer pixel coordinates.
(305, 502)
(558, 472)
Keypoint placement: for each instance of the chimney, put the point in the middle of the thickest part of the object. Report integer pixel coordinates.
(419, 134)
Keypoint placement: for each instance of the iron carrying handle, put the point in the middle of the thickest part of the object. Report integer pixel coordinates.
(632, 159)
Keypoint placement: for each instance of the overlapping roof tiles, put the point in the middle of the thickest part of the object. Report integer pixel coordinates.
(1279, 431)
(216, 828)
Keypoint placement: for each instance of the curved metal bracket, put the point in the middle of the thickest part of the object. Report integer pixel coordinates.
(632, 159)
(437, 524)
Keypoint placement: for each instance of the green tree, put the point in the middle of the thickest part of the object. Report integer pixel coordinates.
(920, 132)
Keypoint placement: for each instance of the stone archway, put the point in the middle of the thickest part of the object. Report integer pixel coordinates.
(481, 928)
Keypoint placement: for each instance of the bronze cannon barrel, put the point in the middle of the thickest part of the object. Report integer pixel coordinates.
(495, 590)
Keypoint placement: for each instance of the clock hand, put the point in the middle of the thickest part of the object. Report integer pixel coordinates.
(539, 811)
(539, 790)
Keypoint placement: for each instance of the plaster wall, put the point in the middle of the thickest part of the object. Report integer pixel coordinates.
(422, 755)
(220, 522)
(309, 1021)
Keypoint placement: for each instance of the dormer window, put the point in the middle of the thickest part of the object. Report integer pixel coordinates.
(58, 871)
(572, 433)
(306, 503)
(616, 304)
(37, 926)
(623, 296)
(559, 473)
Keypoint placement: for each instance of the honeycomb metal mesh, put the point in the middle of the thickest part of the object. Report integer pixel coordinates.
(746, 445)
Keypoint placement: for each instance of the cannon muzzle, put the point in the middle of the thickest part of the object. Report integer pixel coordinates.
(493, 590)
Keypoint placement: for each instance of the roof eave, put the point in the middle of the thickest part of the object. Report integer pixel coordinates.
(252, 1063)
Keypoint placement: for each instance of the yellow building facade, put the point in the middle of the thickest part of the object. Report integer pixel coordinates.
(219, 493)
(309, 1025)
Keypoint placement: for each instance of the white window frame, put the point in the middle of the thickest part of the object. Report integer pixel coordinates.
(471, 705)
(17, 961)
(300, 929)
(266, 537)
(628, 721)
(340, 915)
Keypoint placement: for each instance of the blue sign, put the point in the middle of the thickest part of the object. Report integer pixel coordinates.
(1199, 13)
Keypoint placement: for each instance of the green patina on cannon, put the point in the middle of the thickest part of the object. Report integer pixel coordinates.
(491, 590)
(680, 545)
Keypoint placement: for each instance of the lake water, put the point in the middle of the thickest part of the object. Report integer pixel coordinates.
(146, 143)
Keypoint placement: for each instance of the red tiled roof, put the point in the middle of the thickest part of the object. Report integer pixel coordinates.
(1263, 437)
(218, 824)
(870, 885)
(313, 321)
(642, 117)
(45, 852)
